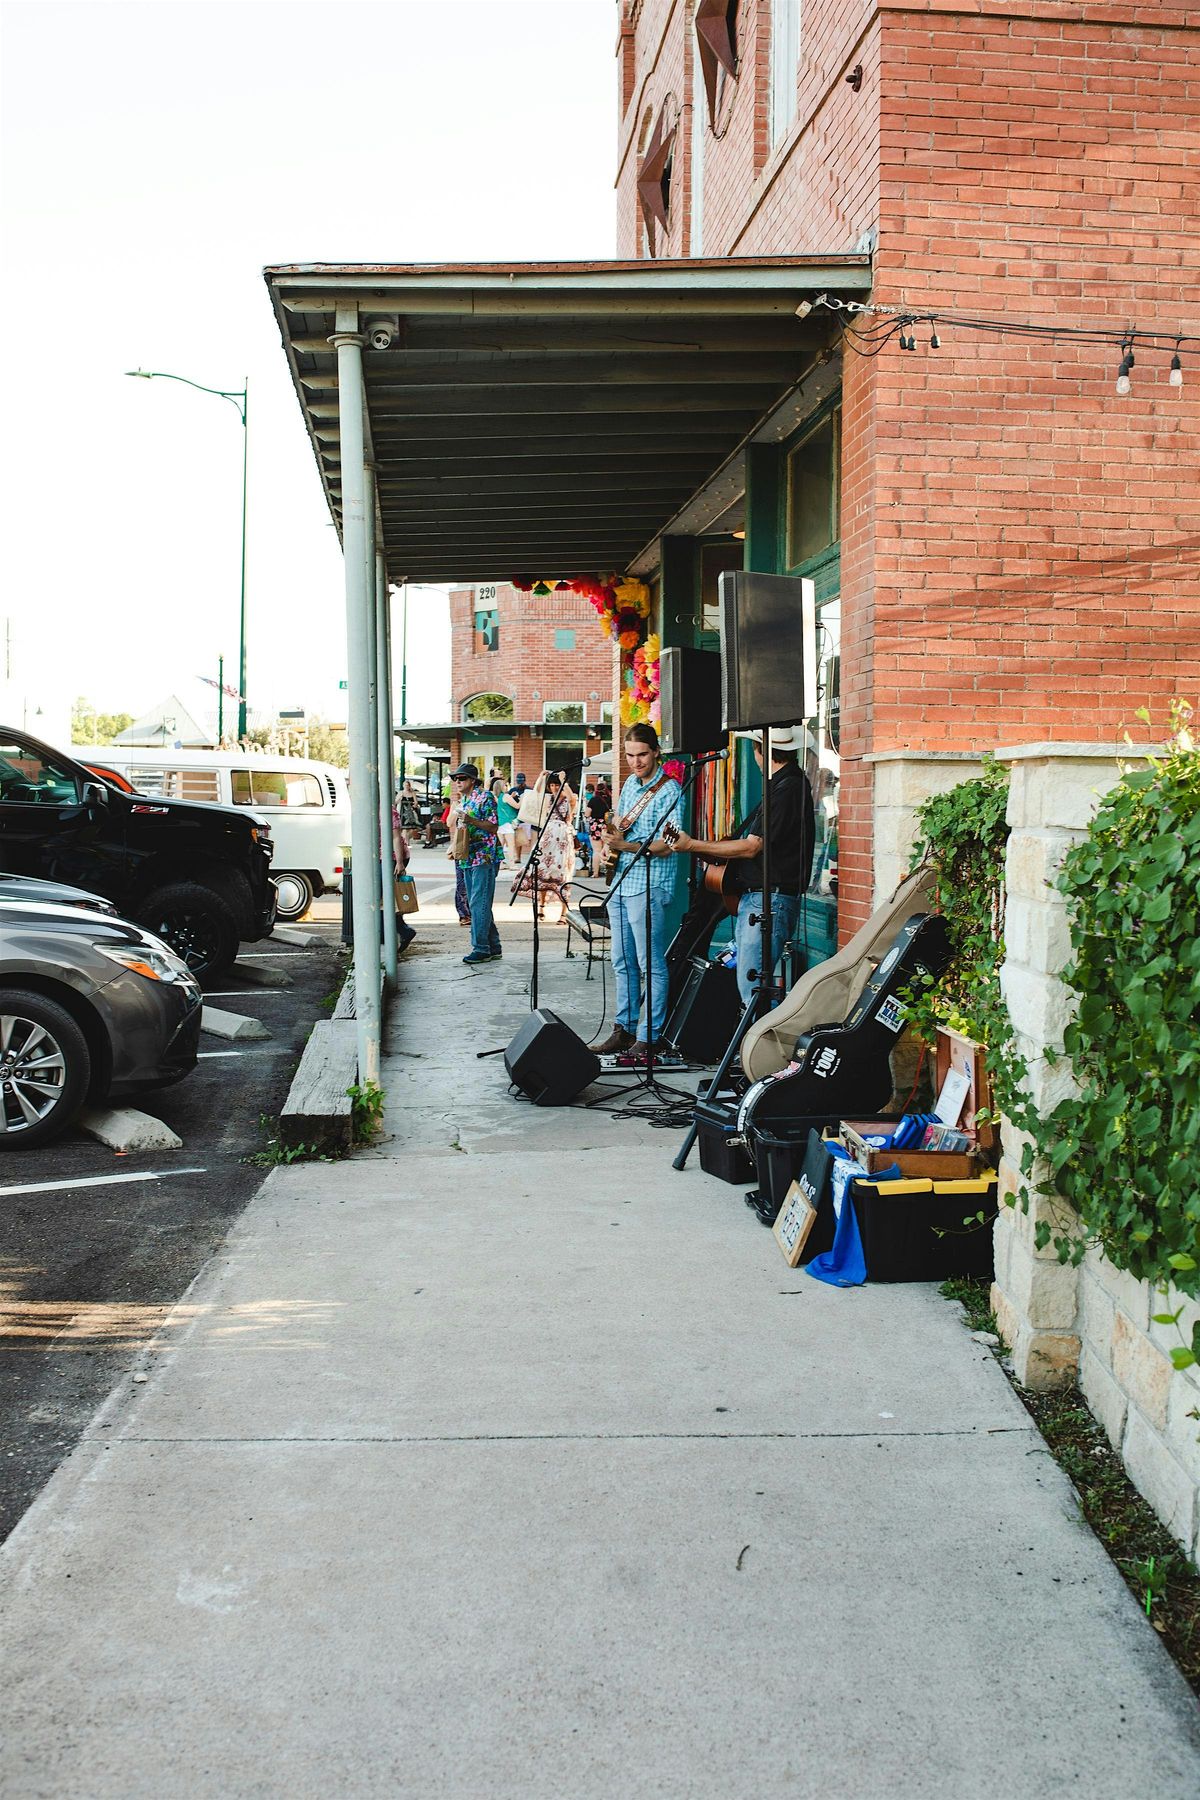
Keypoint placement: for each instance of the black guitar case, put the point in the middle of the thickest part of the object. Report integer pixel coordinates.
(843, 1071)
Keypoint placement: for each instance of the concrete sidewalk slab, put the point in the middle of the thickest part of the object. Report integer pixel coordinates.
(527, 1470)
(539, 1305)
(552, 1619)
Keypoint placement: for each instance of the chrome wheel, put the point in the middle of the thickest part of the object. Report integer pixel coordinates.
(33, 1073)
(295, 893)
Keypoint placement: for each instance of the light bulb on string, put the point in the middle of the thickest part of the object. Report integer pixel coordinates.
(1175, 378)
(1123, 376)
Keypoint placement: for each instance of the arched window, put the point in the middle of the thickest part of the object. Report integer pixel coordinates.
(487, 706)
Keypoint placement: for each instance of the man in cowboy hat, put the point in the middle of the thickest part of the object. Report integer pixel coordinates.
(792, 834)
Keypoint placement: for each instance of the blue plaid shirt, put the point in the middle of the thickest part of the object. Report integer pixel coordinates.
(666, 804)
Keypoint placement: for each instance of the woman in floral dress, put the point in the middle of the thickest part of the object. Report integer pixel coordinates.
(556, 857)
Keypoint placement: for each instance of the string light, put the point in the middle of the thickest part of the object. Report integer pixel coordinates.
(871, 326)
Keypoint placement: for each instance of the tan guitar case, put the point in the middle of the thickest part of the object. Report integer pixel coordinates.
(826, 994)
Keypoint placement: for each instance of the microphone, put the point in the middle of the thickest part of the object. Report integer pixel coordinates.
(712, 756)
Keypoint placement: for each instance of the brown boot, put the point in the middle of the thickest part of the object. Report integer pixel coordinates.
(617, 1040)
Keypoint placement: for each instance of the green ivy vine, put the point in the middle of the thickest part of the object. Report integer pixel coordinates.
(1125, 1151)
(963, 837)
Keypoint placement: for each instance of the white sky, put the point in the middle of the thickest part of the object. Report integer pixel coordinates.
(158, 154)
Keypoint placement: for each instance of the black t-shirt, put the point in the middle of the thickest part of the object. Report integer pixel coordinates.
(792, 832)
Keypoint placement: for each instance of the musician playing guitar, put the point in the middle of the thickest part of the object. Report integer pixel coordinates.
(649, 799)
(792, 834)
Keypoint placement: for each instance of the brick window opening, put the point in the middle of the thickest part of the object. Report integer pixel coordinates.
(564, 638)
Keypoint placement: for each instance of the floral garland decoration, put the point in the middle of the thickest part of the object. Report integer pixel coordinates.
(623, 606)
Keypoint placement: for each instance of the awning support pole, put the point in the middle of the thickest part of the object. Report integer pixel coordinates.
(383, 851)
(387, 764)
(360, 635)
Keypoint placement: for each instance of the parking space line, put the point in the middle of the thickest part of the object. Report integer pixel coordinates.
(58, 1187)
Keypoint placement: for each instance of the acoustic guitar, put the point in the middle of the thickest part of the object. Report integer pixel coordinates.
(716, 877)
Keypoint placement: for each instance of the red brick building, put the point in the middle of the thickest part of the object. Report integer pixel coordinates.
(531, 680)
(1005, 545)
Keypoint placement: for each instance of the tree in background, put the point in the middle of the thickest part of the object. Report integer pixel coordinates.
(327, 745)
(91, 727)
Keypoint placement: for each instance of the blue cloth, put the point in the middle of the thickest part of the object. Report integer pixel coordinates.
(627, 925)
(785, 915)
(845, 1265)
(666, 804)
(480, 881)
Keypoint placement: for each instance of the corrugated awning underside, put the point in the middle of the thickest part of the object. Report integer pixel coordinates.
(551, 418)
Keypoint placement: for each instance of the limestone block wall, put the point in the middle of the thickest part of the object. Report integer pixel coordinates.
(903, 779)
(1093, 1322)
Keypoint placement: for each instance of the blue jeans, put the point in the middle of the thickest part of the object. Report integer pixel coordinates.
(462, 905)
(627, 923)
(785, 914)
(480, 885)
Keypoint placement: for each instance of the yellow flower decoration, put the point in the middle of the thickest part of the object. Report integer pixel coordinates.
(634, 594)
(652, 648)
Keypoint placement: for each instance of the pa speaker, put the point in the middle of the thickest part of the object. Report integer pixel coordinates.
(691, 701)
(768, 649)
(706, 1015)
(548, 1062)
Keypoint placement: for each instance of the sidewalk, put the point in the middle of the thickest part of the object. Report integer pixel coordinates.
(505, 1462)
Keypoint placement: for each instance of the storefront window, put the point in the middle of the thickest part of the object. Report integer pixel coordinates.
(564, 712)
(813, 493)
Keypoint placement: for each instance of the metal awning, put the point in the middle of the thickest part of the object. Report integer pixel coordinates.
(489, 729)
(549, 418)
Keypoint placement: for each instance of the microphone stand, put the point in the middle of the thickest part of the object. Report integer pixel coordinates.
(766, 988)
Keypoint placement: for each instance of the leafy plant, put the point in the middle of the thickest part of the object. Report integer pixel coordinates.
(276, 1154)
(366, 1110)
(1125, 1151)
(963, 835)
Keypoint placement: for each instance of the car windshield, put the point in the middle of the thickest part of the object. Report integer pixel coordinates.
(28, 774)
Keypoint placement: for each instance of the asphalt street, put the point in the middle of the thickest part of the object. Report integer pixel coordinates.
(96, 1256)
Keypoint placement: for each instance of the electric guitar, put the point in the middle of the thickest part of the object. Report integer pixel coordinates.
(717, 877)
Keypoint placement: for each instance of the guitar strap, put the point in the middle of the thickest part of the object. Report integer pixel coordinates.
(645, 800)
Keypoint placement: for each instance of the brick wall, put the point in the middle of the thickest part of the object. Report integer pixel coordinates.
(1019, 554)
(527, 667)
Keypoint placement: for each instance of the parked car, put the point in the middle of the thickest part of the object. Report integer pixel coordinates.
(25, 888)
(305, 804)
(197, 876)
(91, 1007)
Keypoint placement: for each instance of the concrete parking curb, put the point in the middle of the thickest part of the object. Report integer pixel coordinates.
(300, 940)
(258, 977)
(219, 1023)
(120, 1128)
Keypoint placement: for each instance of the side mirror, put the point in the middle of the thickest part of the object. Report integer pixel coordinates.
(94, 794)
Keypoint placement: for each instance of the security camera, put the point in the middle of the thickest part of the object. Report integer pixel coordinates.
(381, 333)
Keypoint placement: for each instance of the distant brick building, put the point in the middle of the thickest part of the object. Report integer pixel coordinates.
(531, 680)
(1005, 547)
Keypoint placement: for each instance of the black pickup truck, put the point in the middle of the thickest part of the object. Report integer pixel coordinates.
(196, 875)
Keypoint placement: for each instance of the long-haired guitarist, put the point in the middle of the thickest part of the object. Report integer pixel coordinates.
(792, 833)
(649, 800)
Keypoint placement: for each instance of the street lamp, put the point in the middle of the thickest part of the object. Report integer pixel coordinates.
(239, 399)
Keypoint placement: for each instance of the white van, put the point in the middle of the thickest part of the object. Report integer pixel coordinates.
(306, 804)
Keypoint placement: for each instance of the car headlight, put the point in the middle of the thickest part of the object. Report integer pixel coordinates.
(153, 964)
